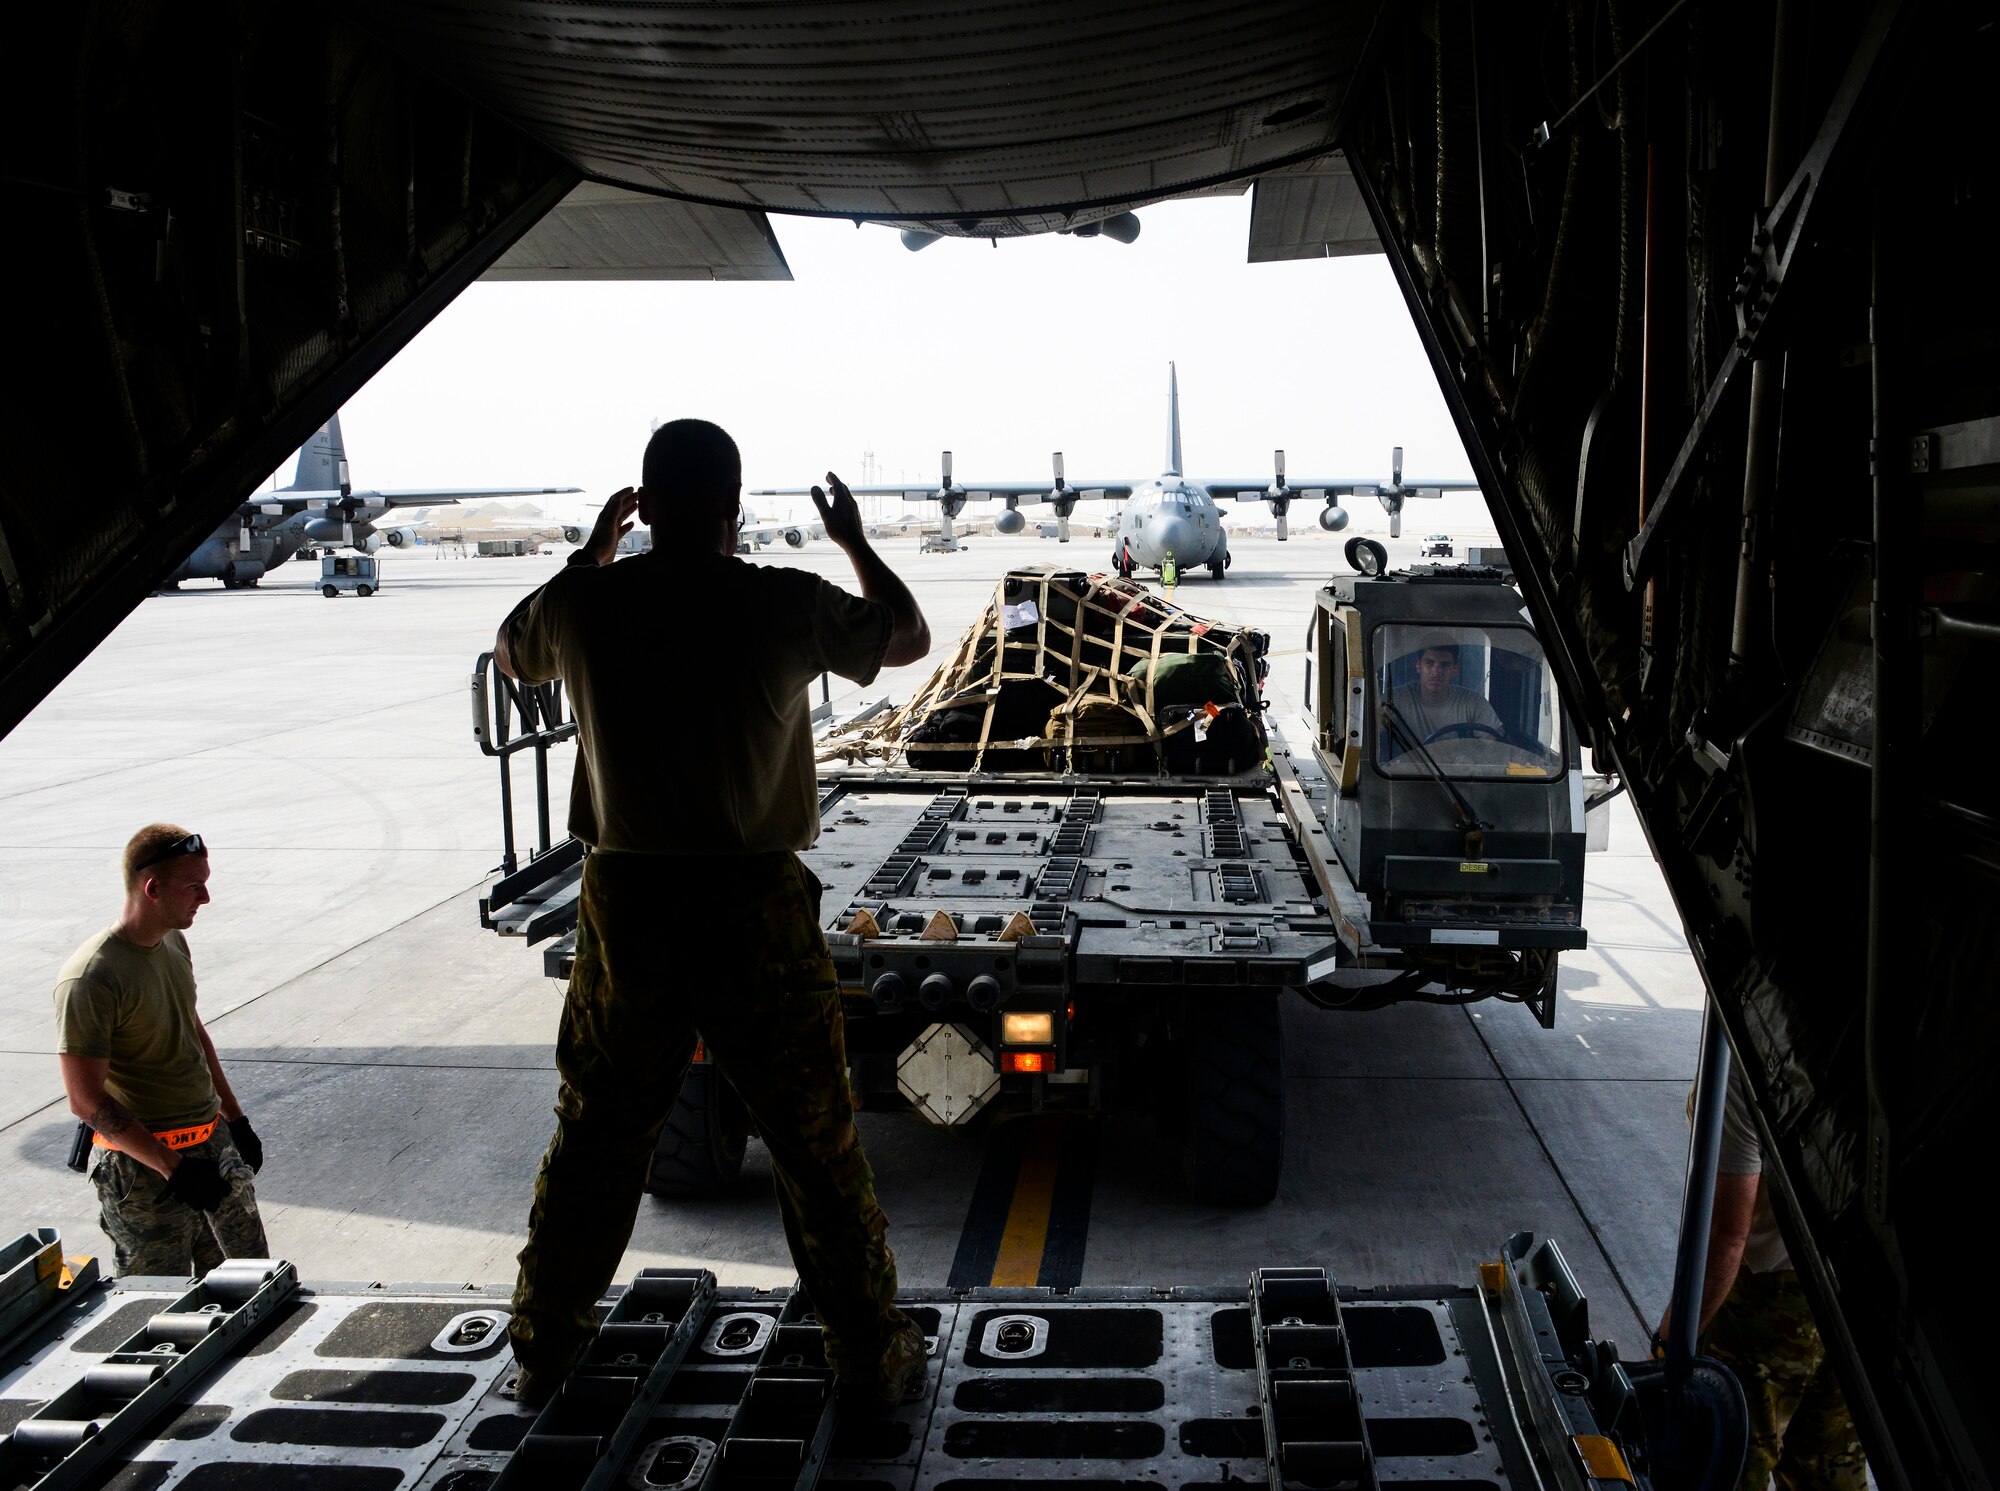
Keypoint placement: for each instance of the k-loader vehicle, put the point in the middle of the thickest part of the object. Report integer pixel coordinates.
(1079, 869)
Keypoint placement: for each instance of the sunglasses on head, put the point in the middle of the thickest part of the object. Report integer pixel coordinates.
(192, 844)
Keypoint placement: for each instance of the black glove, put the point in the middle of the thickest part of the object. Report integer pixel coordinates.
(197, 1181)
(247, 1143)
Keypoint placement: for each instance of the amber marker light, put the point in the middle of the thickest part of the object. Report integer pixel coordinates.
(1028, 1028)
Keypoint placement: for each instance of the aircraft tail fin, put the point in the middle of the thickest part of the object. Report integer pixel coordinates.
(322, 460)
(1173, 423)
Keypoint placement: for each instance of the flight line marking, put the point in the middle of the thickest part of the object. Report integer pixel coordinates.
(1019, 1263)
(1029, 1217)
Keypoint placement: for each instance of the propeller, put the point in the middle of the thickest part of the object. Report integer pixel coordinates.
(1392, 495)
(1064, 503)
(1278, 496)
(321, 530)
(950, 498)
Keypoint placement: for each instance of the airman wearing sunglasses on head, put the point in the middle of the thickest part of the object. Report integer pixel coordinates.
(175, 1151)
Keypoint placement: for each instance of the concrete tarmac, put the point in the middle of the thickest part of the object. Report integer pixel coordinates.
(397, 1058)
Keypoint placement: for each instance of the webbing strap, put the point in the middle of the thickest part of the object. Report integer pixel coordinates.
(181, 1138)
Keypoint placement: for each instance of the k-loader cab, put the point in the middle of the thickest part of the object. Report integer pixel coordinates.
(1443, 800)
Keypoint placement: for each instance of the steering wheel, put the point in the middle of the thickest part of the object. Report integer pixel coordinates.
(1463, 729)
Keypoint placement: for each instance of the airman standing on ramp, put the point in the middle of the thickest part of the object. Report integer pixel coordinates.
(687, 668)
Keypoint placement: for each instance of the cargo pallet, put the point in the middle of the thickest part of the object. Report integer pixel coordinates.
(1288, 1380)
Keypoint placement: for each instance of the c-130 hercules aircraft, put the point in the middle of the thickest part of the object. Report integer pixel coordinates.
(319, 510)
(1170, 514)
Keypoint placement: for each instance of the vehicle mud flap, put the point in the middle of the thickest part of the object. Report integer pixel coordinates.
(1541, 1001)
(1233, 1146)
(1698, 1437)
(700, 1152)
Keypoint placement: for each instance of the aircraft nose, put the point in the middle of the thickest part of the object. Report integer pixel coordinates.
(1170, 531)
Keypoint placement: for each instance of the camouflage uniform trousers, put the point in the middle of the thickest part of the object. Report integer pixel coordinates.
(1800, 1431)
(730, 951)
(155, 1234)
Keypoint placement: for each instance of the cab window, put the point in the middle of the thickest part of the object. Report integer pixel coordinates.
(1480, 701)
(1330, 704)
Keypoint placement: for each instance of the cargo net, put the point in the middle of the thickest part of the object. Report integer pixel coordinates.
(1079, 674)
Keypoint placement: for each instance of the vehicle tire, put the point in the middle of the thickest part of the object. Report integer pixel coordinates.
(364, 591)
(1218, 569)
(1234, 1147)
(329, 591)
(700, 1152)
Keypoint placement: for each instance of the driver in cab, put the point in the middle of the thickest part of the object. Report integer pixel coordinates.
(1440, 709)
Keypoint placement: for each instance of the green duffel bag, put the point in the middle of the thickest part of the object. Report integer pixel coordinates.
(1185, 678)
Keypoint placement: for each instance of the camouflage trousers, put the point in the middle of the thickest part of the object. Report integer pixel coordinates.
(153, 1233)
(1800, 1432)
(730, 951)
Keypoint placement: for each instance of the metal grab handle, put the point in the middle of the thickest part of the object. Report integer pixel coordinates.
(508, 717)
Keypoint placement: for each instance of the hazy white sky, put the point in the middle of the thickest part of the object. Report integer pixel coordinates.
(1002, 354)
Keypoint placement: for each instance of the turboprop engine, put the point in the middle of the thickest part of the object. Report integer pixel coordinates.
(401, 538)
(1333, 518)
(1009, 520)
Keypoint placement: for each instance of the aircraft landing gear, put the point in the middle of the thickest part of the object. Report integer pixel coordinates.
(1121, 561)
(1217, 567)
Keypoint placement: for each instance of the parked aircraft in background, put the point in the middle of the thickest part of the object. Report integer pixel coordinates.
(497, 520)
(320, 510)
(752, 535)
(1168, 514)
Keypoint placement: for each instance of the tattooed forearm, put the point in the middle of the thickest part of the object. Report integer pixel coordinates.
(111, 1119)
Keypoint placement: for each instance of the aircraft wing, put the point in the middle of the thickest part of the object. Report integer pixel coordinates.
(1020, 491)
(299, 499)
(1256, 489)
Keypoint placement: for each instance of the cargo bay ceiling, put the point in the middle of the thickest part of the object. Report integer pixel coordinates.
(1702, 282)
(223, 222)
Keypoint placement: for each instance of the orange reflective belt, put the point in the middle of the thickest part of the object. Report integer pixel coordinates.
(186, 1138)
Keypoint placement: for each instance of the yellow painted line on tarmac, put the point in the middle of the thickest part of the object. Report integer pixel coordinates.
(1026, 1235)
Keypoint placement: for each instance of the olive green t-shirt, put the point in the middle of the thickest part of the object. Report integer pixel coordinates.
(135, 1006)
(688, 675)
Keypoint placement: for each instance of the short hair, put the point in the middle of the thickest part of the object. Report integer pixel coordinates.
(1438, 642)
(693, 463)
(148, 844)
